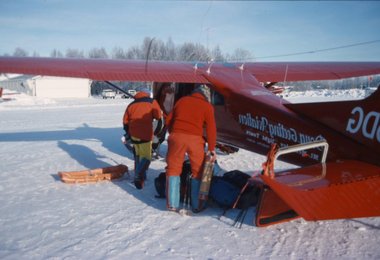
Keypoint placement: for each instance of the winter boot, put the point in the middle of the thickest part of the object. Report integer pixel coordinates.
(140, 173)
(137, 162)
(172, 191)
(195, 205)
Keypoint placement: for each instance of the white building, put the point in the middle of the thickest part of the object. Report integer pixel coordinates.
(49, 87)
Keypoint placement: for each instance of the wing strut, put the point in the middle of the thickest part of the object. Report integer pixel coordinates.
(147, 55)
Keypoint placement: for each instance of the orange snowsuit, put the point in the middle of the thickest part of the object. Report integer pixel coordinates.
(138, 123)
(139, 117)
(186, 123)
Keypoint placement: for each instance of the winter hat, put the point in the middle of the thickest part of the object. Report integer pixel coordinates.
(204, 90)
(145, 90)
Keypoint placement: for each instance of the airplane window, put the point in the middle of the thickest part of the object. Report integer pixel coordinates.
(217, 98)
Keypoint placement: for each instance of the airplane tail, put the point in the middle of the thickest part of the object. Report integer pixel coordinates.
(358, 119)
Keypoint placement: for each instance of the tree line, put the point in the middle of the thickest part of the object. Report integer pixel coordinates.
(151, 48)
(363, 82)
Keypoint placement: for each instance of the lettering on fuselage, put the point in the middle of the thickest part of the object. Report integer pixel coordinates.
(264, 133)
(275, 130)
(366, 123)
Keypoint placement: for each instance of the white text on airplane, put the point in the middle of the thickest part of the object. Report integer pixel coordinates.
(275, 130)
(368, 123)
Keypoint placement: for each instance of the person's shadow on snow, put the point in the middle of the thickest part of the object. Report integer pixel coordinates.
(90, 159)
(84, 155)
(109, 137)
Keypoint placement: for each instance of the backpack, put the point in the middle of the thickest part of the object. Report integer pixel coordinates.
(226, 189)
(223, 192)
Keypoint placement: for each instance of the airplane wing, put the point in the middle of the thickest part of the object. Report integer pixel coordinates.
(301, 71)
(186, 72)
(103, 70)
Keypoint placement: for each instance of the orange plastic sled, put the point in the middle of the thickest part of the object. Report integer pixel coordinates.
(94, 175)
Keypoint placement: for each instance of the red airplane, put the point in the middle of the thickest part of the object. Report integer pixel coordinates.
(336, 144)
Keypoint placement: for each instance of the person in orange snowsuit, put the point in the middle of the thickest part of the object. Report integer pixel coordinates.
(186, 123)
(138, 126)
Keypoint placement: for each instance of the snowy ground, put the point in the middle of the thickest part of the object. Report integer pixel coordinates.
(43, 218)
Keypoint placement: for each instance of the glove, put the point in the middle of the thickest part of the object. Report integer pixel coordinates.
(212, 155)
(125, 138)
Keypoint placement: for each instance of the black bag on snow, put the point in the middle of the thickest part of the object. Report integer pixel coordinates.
(225, 190)
(236, 177)
(160, 181)
(160, 184)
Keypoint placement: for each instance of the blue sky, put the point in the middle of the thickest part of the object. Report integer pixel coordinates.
(265, 28)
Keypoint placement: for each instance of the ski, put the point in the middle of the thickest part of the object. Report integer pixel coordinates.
(205, 181)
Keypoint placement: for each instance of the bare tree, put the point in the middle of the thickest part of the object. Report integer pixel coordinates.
(156, 49)
(118, 53)
(19, 52)
(217, 54)
(98, 53)
(241, 55)
(134, 53)
(56, 54)
(171, 53)
(147, 49)
(74, 53)
(193, 52)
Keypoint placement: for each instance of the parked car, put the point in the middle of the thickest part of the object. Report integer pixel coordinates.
(131, 93)
(108, 93)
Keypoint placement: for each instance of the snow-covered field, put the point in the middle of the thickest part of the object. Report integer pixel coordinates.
(43, 218)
